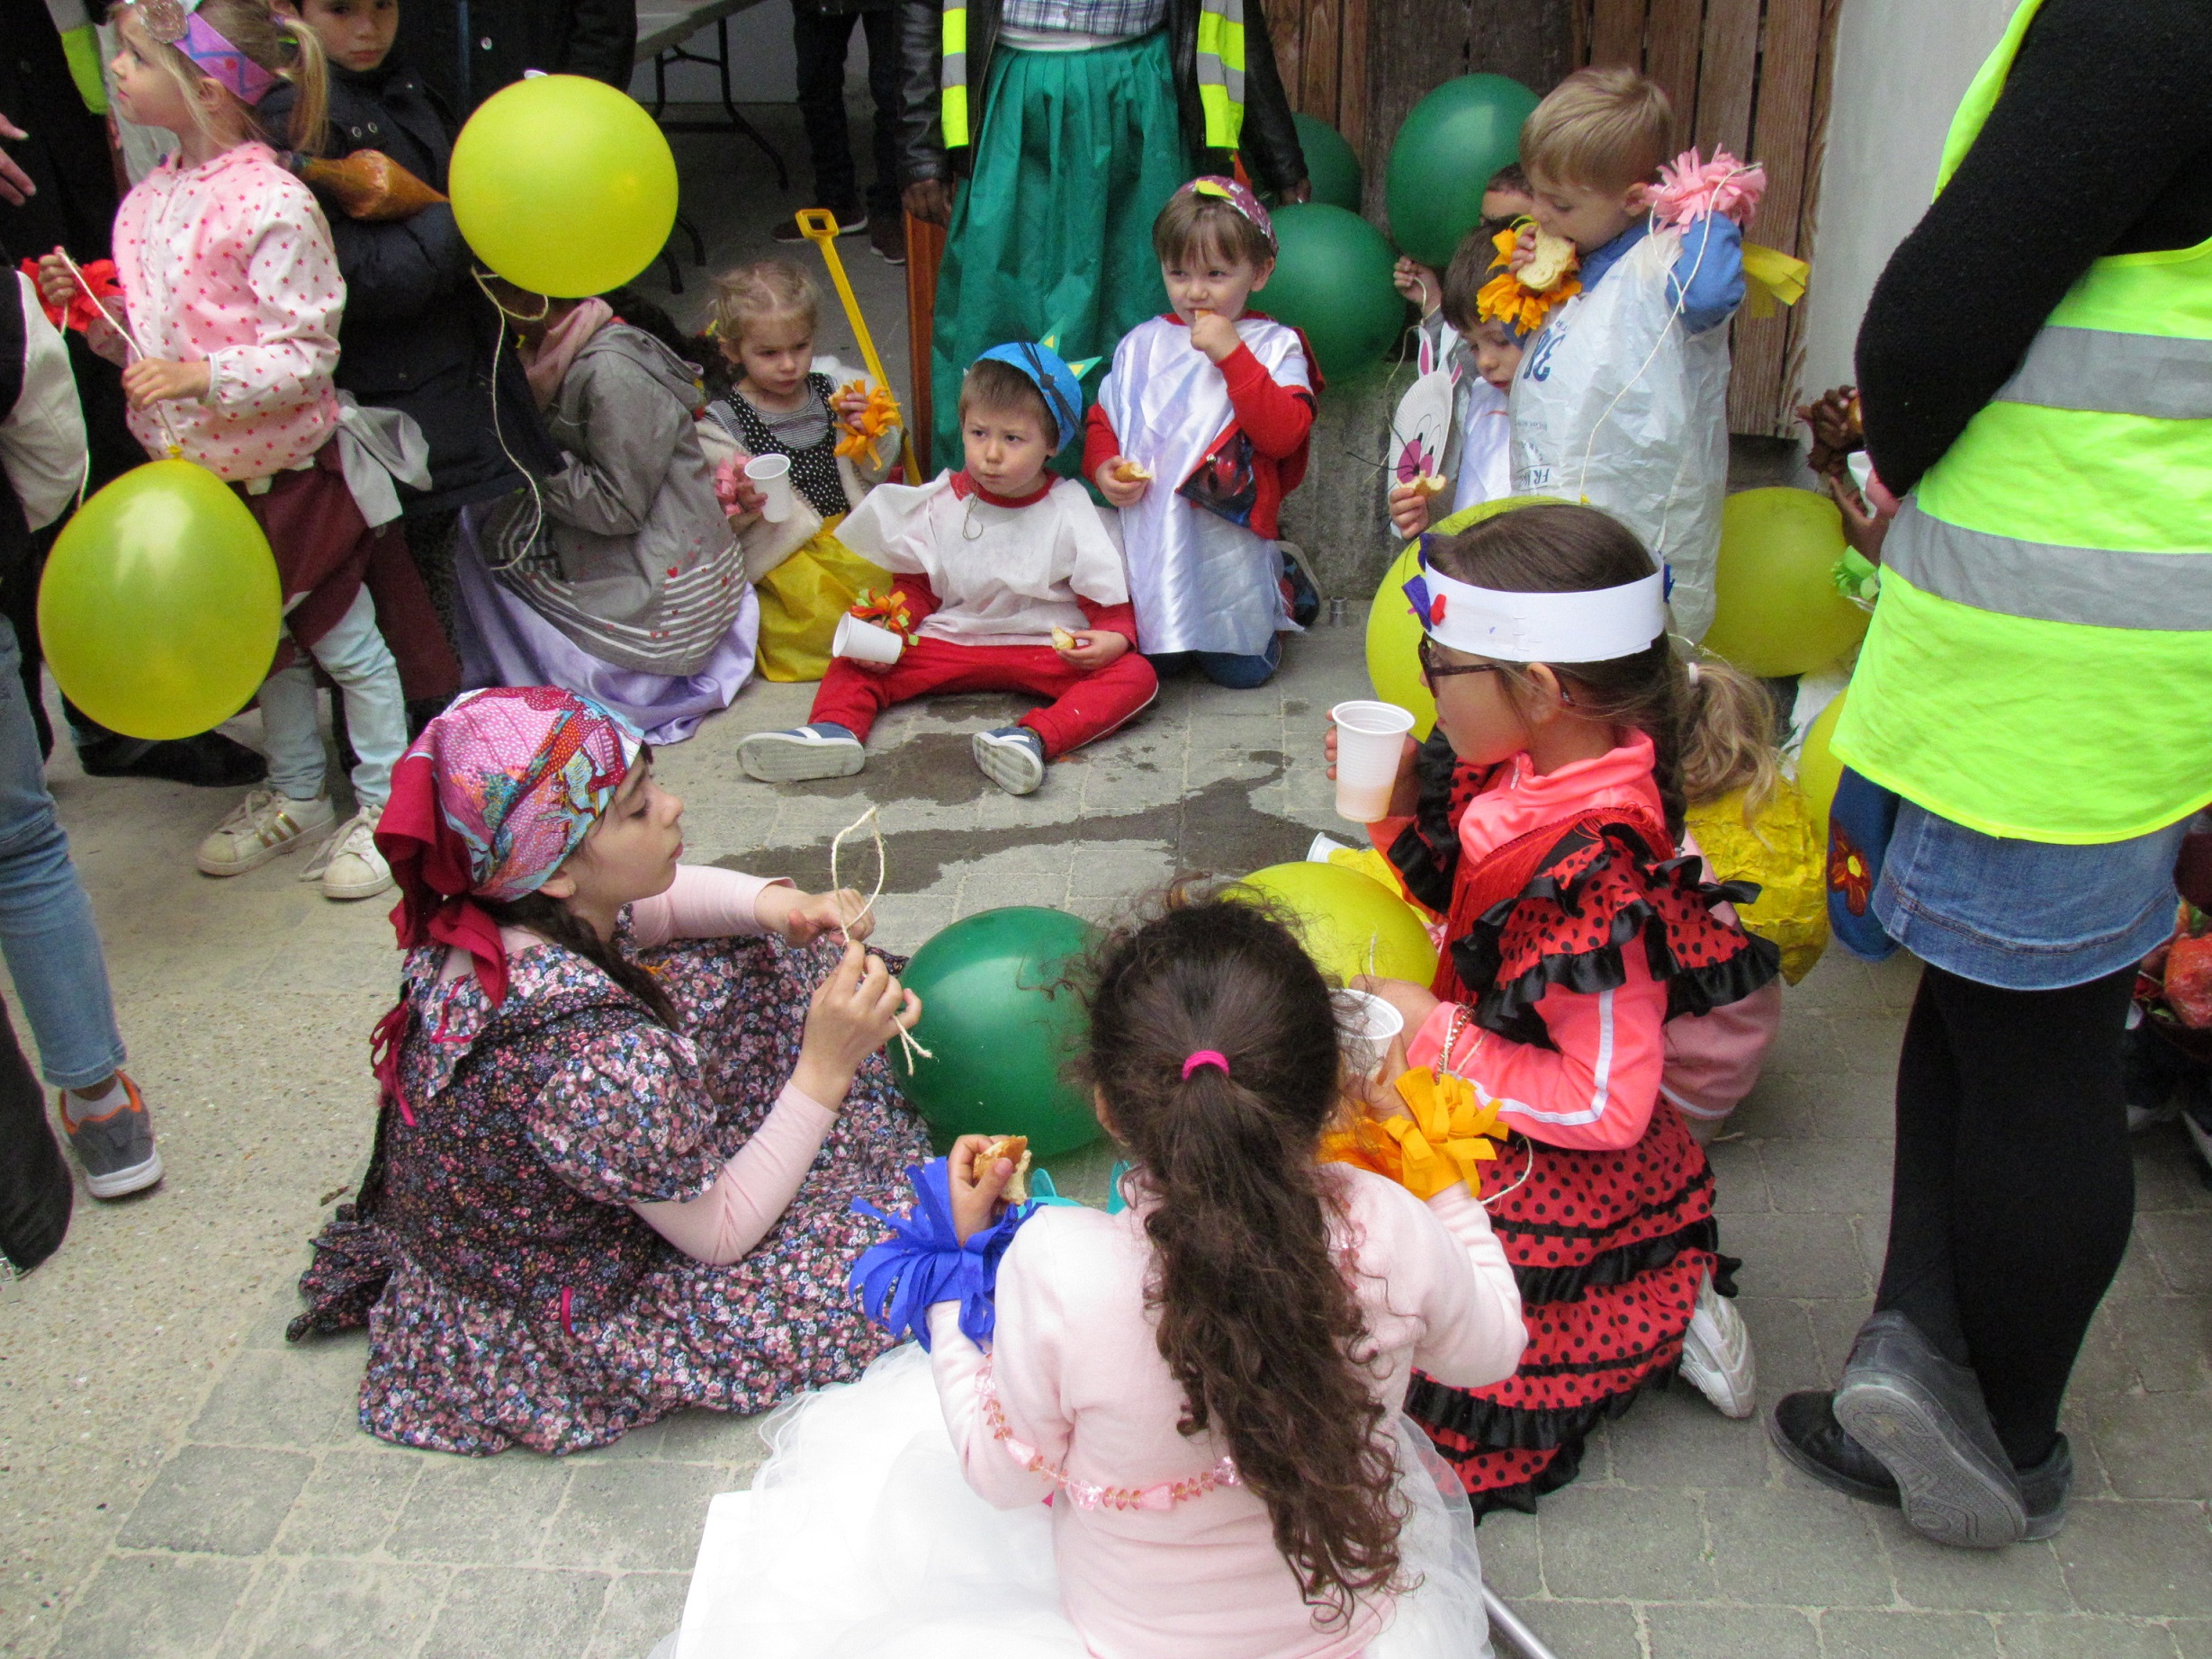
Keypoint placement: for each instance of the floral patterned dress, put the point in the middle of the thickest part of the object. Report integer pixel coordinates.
(510, 1292)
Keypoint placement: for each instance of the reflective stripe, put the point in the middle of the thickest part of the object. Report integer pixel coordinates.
(2104, 372)
(956, 31)
(956, 117)
(1221, 71)
(2098, 587)
(952, 78)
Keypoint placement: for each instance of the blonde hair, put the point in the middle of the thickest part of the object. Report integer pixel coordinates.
(1599, 129)
(755, 293)
(284, 46)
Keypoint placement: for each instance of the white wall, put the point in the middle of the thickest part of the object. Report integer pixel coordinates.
(1902, 66)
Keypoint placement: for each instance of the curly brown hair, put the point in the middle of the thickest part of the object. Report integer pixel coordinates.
(1256, 1319)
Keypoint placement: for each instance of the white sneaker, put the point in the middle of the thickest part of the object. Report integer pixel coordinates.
(1716, 1354)
(265, 826)
(1012, 758)
(801, 754)
(348, 864)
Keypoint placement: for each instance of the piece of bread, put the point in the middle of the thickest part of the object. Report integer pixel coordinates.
(1017, 1148)
(1131, 471)
(1429, 484)
(1552, 259)
(1062, 639)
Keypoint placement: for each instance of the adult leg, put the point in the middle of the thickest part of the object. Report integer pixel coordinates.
(1917, 1271)
(820, 39)
(881, 28)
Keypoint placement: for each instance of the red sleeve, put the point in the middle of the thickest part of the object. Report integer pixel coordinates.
(1274, 417)
(1119, 619)
(921, 597)
(1100, 444)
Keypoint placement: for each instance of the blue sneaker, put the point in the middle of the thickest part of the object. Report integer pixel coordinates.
(802, 754)
(116, 1148)
(1012, 758)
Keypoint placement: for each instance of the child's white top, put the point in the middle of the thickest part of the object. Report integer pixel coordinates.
(230, 262)
(1199, 582)
(1002, 574)
(1077, 1371)
(1484, 468)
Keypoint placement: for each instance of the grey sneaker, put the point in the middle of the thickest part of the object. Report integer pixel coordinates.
(116, 1148)
(262, 827)
(801, 754)
(1924, 1417)
(1012, 758)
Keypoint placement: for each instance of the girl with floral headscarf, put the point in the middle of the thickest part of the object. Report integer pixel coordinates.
(626, 1105)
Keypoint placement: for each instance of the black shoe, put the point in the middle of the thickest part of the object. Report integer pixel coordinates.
(209, 761)
(1804, 1430)
(887, 234)
(851, 220)
(2044, 1490)
(1923, 1416)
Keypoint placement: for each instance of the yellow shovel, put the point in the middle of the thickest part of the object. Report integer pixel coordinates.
(819, 225)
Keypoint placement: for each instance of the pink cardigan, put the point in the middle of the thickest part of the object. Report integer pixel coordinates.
(1079, 1376)
(230, 262)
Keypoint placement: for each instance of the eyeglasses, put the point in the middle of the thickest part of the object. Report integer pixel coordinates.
(1432, 671)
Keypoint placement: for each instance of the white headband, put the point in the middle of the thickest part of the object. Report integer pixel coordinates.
(1596, 625)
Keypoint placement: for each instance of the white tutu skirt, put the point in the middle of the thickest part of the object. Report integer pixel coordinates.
(860, 1538)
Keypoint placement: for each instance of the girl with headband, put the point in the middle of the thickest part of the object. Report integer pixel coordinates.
(1596, 991)
(227, 332)
(628, 1106)
(1204, 1386)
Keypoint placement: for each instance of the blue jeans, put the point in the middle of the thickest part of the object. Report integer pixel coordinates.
(1225, 669)
(2025, 915)
(46, 926)
(354, 654)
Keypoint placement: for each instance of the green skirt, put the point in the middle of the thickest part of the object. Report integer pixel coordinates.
(1076, 154)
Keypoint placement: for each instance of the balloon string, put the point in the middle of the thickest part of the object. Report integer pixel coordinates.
(874, 826)
(176, 449)
(498, 431)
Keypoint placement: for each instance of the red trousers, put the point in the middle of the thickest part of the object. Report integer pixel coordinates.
(1084, 705)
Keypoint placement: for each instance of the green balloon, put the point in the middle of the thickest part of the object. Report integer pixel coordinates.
(1447, 151)
(1776, 609)
(1330, 165)
(1333, 281)
(1003, 1028)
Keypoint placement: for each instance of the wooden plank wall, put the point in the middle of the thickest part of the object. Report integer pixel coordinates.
(1752, 75)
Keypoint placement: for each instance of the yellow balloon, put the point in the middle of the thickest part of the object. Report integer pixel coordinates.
(1818, 769)
(159, 609)
(563, 186)
(1776, 607)
(1349, 923)
(1394, 632)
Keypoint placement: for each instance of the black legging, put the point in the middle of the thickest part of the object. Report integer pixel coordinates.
(2014, 1188)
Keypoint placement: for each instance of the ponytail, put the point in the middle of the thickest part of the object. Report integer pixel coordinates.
(1256, 1319)
(308, 71)
(284, 46)
(1725, 720)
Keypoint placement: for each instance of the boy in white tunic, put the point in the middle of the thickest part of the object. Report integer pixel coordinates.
(1199, 431)
(1006, 579)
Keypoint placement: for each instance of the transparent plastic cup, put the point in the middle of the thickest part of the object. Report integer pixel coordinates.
(1369, 738)
(1365, 1024)
(865, 641)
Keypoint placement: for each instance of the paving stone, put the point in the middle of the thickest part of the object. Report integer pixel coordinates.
(495, 1612)
(2082, 1634)
(1797, 1549)
(1844, 1178)
(1677, 1441)
(1754, 1632)
(1738, 1179)
(1607, 1542)
(480, 1510)
(1512, 1546)
(304, 1397)
(1581, 1630)
(2141, 1558)
(1782, 1341)
(1796, 1256)
(218, 1499)
(2023, 1579)
(2156, 1446)
(637, 1515)
(2181, 1241)
(349, 1610)
(152, 1606)
(1907, 1636)
(350, 1503)
(2193, 1638)
(640, 1608)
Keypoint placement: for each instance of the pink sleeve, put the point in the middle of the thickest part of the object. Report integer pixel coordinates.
(703, 903)
(1023, 1376)
(1712, 1059)
(1475, 1333)
(299, 297)
(755, 1187)
(1596, 1089)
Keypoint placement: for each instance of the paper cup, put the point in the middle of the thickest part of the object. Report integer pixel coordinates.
(1365, 1024)
(771, 476)
(1369, 738)
(864, 642)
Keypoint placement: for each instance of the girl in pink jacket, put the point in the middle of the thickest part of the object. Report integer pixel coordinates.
(1170, 1433)
(228, 334)
(1596, 984)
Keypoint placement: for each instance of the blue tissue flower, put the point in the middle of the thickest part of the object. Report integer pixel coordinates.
(923, 1262)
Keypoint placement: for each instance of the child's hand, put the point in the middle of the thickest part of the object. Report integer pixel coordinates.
(1864, 529)
(1405, 793)
(977, 1195)
(153, 379)
(1415, 1003)
(56, 287)
(1419, 284)
(1378, 1094)
(1524, 250)
(854, 1012)
(1121, 491)
(1408, 505)
(1093, 651)
(850, 405)
(808, 916)
(1215, 334)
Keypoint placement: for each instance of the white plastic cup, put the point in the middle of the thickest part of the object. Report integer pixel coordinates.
(1365, 1024)
(771, 476)
(864, 642)
(1370, 738)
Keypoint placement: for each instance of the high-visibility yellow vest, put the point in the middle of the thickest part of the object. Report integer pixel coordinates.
(1220, 73)
(2040, 660)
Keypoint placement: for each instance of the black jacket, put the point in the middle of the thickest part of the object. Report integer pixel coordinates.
(467, 49)
(418, 334)
(1270, 148)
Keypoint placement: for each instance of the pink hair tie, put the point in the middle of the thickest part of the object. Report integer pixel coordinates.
(1205, 1057)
